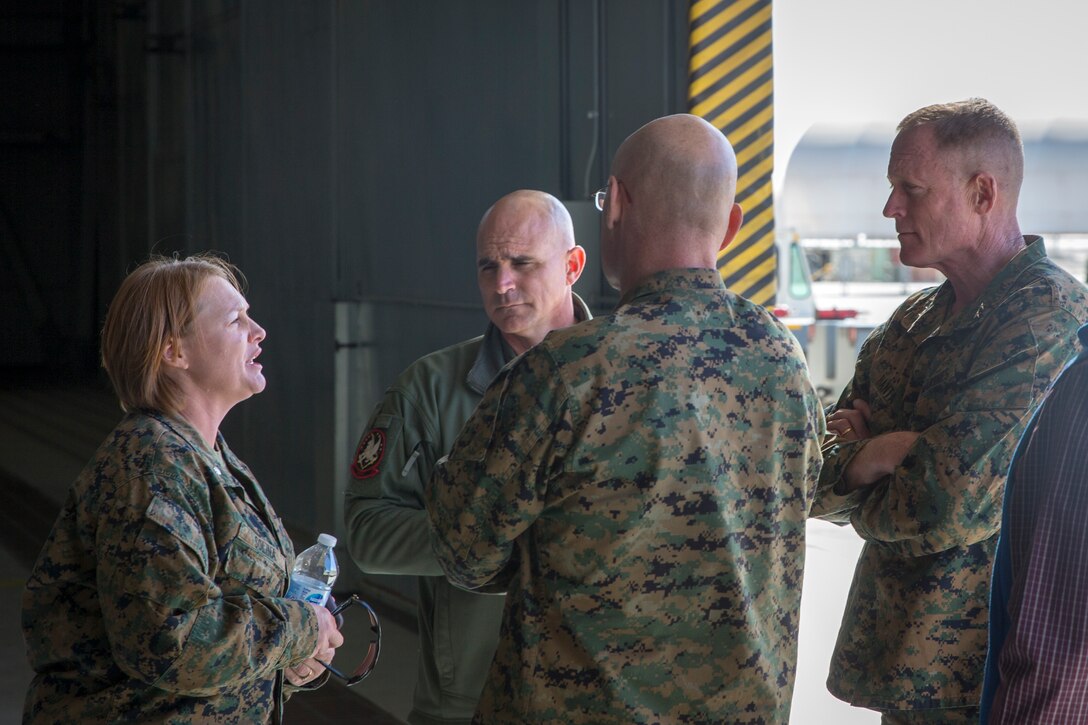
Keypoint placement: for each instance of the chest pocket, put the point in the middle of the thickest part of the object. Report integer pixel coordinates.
(253, 564)
(938, 377)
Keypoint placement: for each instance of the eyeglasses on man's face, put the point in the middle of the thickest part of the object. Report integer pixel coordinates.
(601, 194)
(599, 197)
(371, 659)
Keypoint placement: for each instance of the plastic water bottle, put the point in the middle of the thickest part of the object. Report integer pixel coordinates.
(315, 572)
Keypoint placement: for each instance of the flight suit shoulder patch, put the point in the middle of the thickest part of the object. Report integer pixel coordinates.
(369, 454)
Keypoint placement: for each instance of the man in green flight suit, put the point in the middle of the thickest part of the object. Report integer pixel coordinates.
(527, 262)
(927, 426)
(640, 483)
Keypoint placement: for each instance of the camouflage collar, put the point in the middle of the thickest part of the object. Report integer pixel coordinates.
(1001, 285)
(182, 428)
(693, 278)
(932, 315)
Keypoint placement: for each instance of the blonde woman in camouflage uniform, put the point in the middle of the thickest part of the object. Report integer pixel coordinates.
(158, 596)
(639, 483)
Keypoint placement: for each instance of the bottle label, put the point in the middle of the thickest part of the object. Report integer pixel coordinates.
(309, 590)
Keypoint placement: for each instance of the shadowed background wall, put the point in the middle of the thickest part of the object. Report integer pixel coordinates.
(341, 153)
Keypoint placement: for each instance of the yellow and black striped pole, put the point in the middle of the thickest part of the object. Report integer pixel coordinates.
(730, 84)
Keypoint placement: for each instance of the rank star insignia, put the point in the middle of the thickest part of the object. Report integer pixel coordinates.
(369, 454)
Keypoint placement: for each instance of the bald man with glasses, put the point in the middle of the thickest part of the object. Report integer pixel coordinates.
(638, 484)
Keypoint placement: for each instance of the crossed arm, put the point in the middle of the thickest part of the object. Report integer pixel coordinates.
(939, 486)
(879, 457)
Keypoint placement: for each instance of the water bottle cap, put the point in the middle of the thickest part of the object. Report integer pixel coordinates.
(327, 540)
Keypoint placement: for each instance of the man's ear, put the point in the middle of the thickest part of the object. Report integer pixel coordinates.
(173, 354)
(983, 190)
(614, 210)
(576, 263)
(736, 218)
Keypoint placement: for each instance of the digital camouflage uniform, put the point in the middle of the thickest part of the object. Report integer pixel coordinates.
(913, 635)
(388, 533)
(158, 595)
(640, 484)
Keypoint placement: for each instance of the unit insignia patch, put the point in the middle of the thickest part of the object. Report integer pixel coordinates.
(369, 454)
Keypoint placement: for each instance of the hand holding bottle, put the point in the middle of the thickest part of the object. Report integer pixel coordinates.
(312, 578)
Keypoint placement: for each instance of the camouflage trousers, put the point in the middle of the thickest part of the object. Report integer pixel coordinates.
(941, 716)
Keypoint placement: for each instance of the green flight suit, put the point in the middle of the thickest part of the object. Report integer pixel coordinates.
(388, 533)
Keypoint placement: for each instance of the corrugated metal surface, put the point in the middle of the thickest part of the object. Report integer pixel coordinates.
(343, 153)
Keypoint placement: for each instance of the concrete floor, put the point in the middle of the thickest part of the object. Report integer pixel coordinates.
(384, 697)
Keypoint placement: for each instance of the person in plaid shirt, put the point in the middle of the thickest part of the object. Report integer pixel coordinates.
(1037, 669)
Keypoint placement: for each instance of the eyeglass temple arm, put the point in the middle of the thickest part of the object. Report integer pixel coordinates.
(332, 669)
(353, 599)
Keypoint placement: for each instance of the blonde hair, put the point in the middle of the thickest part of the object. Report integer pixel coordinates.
(155, 305)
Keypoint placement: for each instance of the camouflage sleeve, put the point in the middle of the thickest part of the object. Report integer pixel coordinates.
(832, 502)
(388, 530)
(492, 486)
(948, 491)
(169, 623)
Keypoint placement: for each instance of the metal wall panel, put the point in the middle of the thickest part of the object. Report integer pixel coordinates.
(342, 153)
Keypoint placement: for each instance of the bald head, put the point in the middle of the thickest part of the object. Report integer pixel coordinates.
(673, 201)
(526, 265)
(535, 213)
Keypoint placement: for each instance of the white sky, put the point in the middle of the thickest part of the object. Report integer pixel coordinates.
(854, 61)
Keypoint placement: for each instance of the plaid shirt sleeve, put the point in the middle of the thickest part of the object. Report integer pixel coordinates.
(1043, 661)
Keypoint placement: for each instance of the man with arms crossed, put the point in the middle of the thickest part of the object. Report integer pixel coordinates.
(527, 262)
(925, 429)
(640, 483)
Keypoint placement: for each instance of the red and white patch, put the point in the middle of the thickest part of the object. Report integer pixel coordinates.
(369, 454)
